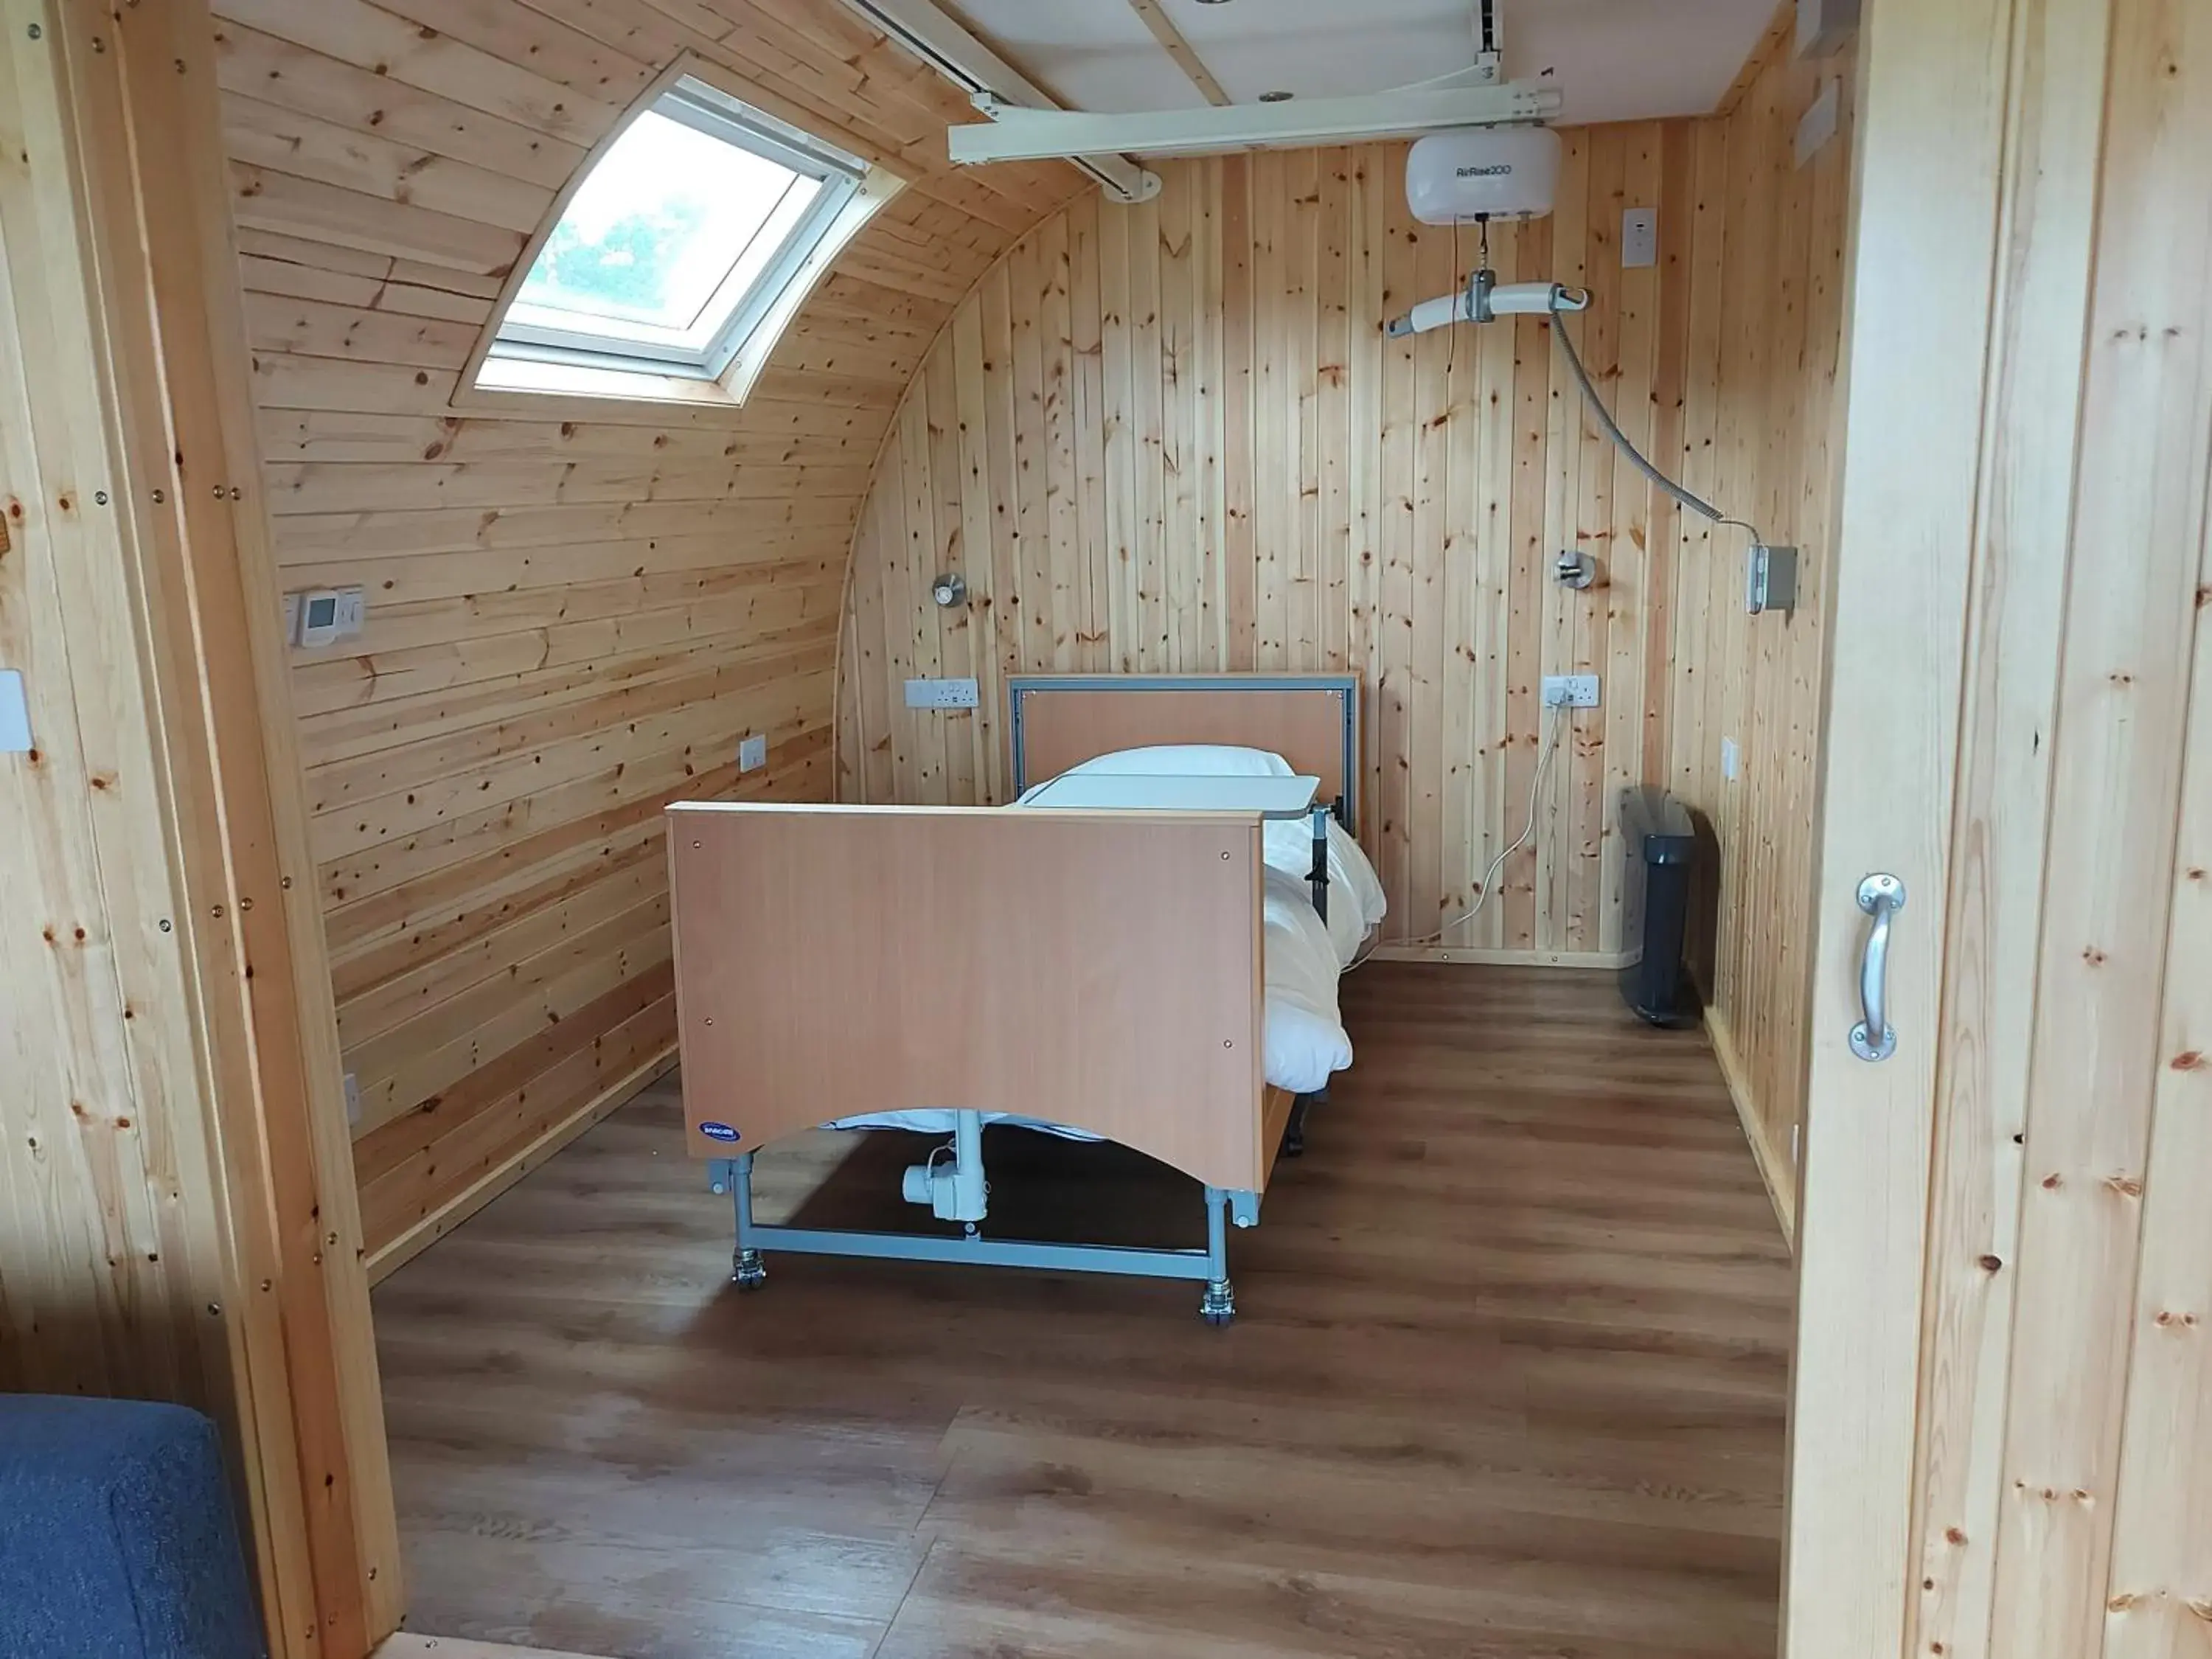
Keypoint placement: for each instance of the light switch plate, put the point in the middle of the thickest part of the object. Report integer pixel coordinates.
(1569, 690)
(940, 694)
(353, 1097)
(14, 714)
(752, 752)
(1731, 760)
(291, 619)
(353, 609)
(1639, 237)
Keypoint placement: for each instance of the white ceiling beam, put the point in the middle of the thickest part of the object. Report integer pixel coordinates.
(1036, 135)
(949, 48)
(1177, 46)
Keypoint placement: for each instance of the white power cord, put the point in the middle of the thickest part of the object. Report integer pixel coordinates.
(1557, 714)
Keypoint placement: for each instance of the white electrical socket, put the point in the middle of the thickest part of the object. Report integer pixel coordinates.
(940, 694)
(752, 752)
(1639, 237)
(1569, 690)
(1731, 759)
(353, 1097)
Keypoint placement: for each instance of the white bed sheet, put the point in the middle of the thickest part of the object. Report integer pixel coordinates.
(1303, 1040)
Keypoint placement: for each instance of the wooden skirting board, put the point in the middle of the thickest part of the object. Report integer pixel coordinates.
(408, 1646)
(1590, 961)
(1776, 1166)
(433, 1226)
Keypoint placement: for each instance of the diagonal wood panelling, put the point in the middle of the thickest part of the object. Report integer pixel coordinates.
(574, 614)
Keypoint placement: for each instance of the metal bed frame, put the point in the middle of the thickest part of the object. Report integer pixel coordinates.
(1210, 1265)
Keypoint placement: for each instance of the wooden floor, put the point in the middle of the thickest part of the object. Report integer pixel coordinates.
(1507, 1379)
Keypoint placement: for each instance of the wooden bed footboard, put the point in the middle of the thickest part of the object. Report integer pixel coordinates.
(1098, 970)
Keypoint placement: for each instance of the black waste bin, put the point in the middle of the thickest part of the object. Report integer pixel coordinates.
(1662, 849)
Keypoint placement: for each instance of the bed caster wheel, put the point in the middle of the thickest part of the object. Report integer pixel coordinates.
(1219, 1305)
(749, 1271)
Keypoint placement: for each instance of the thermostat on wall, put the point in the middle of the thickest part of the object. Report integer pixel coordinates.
(319, 618)
(324, 615)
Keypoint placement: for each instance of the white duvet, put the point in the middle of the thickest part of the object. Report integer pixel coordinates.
(1304, 1040)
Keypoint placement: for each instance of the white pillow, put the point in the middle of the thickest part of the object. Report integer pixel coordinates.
(1289, 845)
(1188, 760)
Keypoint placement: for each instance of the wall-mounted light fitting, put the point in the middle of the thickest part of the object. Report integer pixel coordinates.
(1575, 568)
(950, 590)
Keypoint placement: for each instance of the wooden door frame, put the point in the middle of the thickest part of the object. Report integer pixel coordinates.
(121, 150)
(1940, 172)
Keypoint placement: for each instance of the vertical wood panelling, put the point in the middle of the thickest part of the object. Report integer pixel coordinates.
(1259, 479)
(575, 612)
(2064, 1399)
(177, 1211)
(1756, 312)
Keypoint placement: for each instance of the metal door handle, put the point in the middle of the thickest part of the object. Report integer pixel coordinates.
(1881, 897)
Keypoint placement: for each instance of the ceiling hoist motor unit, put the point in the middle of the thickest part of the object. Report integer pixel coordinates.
(1476, 174)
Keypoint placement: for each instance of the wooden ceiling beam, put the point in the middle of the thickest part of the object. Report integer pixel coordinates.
(1177, 46)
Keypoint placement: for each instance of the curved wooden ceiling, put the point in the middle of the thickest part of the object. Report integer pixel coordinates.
(574, 611)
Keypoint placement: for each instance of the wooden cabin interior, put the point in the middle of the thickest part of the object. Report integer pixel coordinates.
(529, 528)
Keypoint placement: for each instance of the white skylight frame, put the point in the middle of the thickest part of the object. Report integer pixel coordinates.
(750, 295)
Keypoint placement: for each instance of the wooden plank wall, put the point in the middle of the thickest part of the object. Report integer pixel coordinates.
(574, 612)
(1764, 312)
(177, 1204)
(2063, 1494)
(1175, 437)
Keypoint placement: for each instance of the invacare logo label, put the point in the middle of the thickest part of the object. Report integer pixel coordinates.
(721, 1132)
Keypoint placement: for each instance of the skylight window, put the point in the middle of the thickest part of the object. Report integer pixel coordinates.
(679, 246)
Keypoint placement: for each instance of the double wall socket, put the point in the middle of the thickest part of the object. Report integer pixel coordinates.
(940, 694)
(1569, 690)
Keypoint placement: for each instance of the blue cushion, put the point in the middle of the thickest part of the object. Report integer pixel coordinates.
(116, 1535)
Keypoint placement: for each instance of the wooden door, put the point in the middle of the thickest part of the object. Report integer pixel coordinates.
(2001, 1413)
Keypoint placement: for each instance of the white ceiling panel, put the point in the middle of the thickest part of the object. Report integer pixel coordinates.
(1090, 54)
(1614, 60)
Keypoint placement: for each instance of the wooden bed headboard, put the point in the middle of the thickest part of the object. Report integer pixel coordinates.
(1312, 720)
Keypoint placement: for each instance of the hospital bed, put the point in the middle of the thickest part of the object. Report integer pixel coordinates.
(1143, 949)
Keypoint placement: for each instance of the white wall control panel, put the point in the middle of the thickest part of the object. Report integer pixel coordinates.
(14, 714)
(1731, 760)
(752, 752)
(353, 1097)
(323, 616)
(940, 694)
(1639, 237)
(1569, 690)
